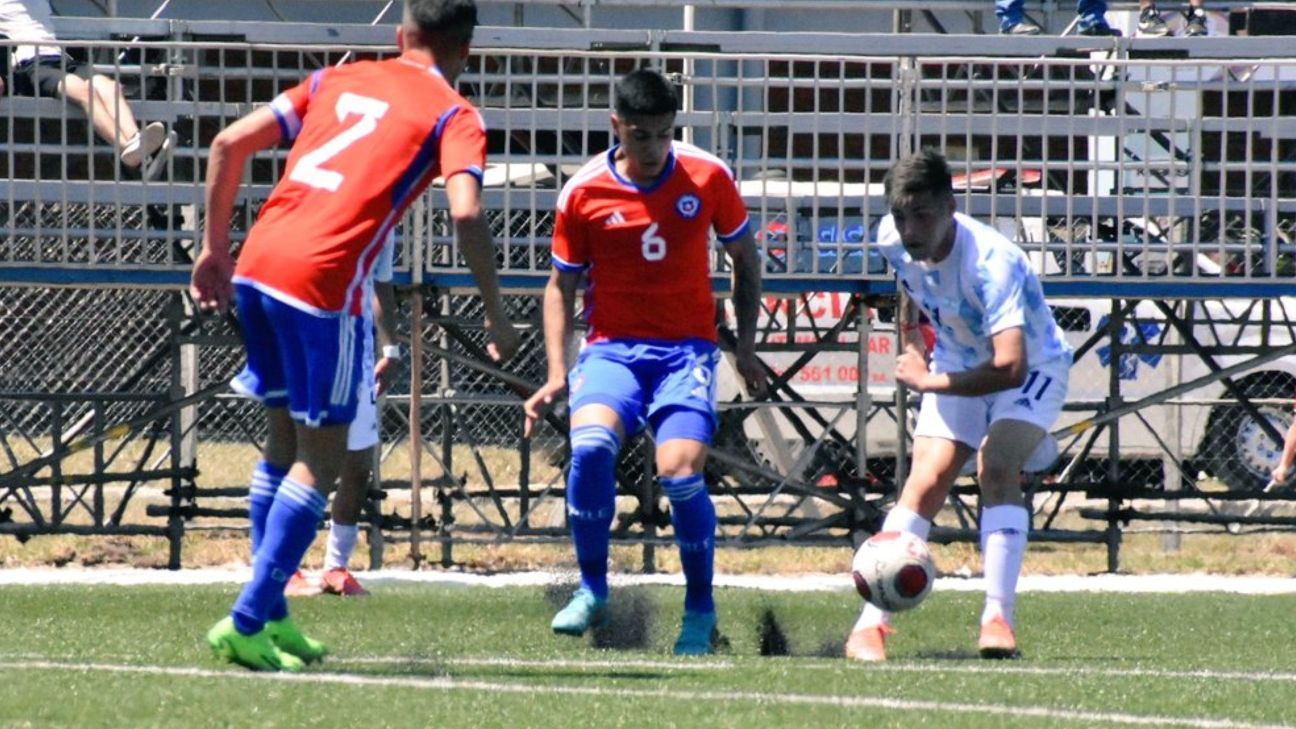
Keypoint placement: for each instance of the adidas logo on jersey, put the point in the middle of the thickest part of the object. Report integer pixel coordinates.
(616, 218)
(1024, 402)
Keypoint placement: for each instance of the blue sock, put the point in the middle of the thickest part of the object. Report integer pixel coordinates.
(266, 478)
(694, 518)
(591, 501)
(290, 529)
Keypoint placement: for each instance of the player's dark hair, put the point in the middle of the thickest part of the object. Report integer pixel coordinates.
(449, 22)
(923, 173)
(644, 92)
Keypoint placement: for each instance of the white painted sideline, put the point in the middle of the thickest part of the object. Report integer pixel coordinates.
(1244, 585)
(1050, 714)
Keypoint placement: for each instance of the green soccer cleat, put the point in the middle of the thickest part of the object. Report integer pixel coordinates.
(255, 651)
(583, 611)
(287, 637)
(696, 633)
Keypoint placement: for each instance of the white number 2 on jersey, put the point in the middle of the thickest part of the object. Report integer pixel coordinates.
(310, 168)
(654, 246)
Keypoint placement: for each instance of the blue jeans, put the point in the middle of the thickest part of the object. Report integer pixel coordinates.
(1090, 12)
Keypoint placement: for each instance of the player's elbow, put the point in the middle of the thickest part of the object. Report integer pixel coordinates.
(466, 214)
(230, 144)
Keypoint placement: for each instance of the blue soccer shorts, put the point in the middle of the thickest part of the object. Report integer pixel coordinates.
(308, 362)
(665, 385)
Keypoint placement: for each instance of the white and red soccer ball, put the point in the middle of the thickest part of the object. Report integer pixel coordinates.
(893, 570)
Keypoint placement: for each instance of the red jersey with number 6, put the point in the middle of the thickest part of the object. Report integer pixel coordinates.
(647, 248)
(368, 138)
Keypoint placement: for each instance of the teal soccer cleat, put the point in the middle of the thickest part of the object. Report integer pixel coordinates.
(583, 611)
(696, 632)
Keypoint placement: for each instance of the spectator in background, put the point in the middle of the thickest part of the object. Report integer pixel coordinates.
(1092, 15)
(44, 70)
(1093, 21)
(1151, 22)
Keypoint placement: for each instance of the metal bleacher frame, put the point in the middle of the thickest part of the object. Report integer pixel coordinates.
(1107, 159)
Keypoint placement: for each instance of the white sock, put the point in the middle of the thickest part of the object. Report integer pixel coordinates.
(1003, 547)
(899, 519)
(341, 542)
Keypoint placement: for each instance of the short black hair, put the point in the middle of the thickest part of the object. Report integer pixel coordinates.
(447, 21)
(922, 173)
(644, 92)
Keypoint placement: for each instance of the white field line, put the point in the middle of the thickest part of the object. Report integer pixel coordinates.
(1173, 584)
(997, 668)
(1000, 669)
(496, 662)
(747, 697)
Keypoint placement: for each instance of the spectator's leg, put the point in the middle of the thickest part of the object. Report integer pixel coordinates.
(1195, 16)
(1092, 13)
(100, 98)
(1009, 13)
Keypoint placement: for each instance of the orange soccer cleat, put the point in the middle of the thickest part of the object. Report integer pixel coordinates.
(339, 581)
(868, 645)
(997, 640)
(299, 585)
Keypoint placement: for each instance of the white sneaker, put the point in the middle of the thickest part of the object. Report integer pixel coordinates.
(143, 144)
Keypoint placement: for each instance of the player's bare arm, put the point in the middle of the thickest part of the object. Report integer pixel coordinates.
(1006, 369)
(210, 285)
(746, 300)
(384, 305)
(478, 248)
(911, 336)
(559, 305)
(1283, 469)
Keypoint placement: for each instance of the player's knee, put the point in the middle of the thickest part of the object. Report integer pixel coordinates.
(680, 465)
(996, 472)
(682, 436)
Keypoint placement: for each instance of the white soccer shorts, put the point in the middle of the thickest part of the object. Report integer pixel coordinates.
(967, 419)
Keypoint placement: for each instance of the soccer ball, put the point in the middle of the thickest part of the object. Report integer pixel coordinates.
(893, 570)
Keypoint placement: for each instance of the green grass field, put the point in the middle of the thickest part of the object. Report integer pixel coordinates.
(420, 655)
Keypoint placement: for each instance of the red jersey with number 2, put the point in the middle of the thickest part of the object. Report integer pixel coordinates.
(647, 248)
(369, 137)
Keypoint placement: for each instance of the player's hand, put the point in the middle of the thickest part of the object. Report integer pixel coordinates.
(539, 403)
(384, 373)
(504, 339)
(1279, 475)
(752, 373)
(211, 285)
(911, 369)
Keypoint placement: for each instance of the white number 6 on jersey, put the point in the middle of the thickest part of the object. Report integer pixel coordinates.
(654, 246)
(310, 170)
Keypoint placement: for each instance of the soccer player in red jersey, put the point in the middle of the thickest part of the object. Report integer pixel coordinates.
(367, 137)
(637, 220)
